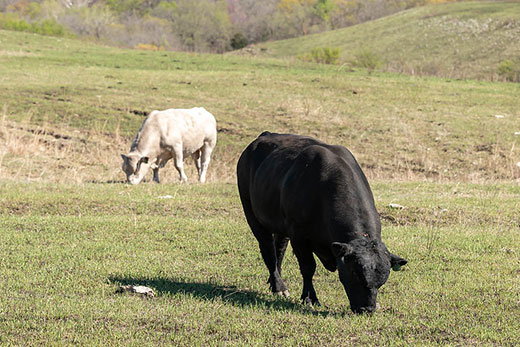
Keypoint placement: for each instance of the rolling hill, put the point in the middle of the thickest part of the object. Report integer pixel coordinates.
(68, 109)
(457, 40)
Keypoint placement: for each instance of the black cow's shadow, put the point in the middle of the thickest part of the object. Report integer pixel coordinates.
(228, 294)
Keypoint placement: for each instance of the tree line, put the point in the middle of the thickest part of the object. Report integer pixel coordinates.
(192, 25)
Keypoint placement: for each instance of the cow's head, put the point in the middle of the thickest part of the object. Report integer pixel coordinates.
(364, 266)
(135, 167)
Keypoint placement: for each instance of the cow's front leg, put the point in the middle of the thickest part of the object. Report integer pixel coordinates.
(307, 268)
(196, 160)
(156, 174)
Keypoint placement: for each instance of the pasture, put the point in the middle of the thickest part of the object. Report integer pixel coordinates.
(66, 248)
(71, 232)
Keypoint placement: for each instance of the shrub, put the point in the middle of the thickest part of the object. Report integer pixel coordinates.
(509, 70)
(149, 47)
(10, 21)
(50, 27)
(367, 59)
(238, 41)
(322, 55)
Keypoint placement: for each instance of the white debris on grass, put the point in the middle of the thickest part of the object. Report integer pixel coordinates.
(165, 197)
(517, 133)
(142, 290)
(499, 116)
(396, 206)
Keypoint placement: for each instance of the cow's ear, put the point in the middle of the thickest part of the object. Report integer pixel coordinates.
(144, 160)
(340, 249)
(124, 157)
(396, 262)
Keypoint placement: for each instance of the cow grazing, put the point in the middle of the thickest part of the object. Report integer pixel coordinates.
(172, 133)
(315, 195)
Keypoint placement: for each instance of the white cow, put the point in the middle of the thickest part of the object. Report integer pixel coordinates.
(172, 133)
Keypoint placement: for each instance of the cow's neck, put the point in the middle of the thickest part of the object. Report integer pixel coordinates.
(145, 143)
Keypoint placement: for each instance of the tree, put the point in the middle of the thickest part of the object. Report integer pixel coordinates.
(298, 17)
(139, 7)
(203, 25)
(76, 3)
(91, 21)
(323, 9)
(252, 18)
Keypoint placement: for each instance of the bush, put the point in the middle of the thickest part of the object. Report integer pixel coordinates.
(322, 55)
(149, 47)
(509, 70)
(367, 59)
(49, 27)
(238, 41)
(10, 21)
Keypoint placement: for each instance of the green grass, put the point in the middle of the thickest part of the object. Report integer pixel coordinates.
(462, 40)
(66, 248)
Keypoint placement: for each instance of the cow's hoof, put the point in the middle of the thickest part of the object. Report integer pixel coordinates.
(284, 293)
(309, 302)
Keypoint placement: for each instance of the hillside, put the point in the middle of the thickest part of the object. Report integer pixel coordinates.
(461, 40)
(68, 109)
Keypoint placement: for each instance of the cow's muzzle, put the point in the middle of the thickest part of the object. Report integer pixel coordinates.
(365, 310)
(133, 180)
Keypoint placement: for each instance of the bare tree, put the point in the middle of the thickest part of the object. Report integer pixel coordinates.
(77, 3)
(253, 18)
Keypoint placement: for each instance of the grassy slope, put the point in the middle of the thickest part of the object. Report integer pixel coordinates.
(467, 39)
(85, 103)
(66, 248)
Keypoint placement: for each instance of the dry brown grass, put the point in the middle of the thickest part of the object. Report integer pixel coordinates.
(61, 154)
(46, 153)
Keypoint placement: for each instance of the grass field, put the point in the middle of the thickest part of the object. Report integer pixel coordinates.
(71, 233)
(66, 249)
(457, 40)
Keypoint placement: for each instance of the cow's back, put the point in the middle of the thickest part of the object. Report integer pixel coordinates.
(298, 180)
(187, 127)
(262, 171)
(256, 153)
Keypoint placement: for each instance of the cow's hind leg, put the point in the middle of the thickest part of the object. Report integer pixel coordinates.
(303, 253)
(206, 150)
(280, 245)
(178, 162)
(268, 250)
(196, 160)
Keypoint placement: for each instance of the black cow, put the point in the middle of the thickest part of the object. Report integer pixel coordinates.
(300, 189)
